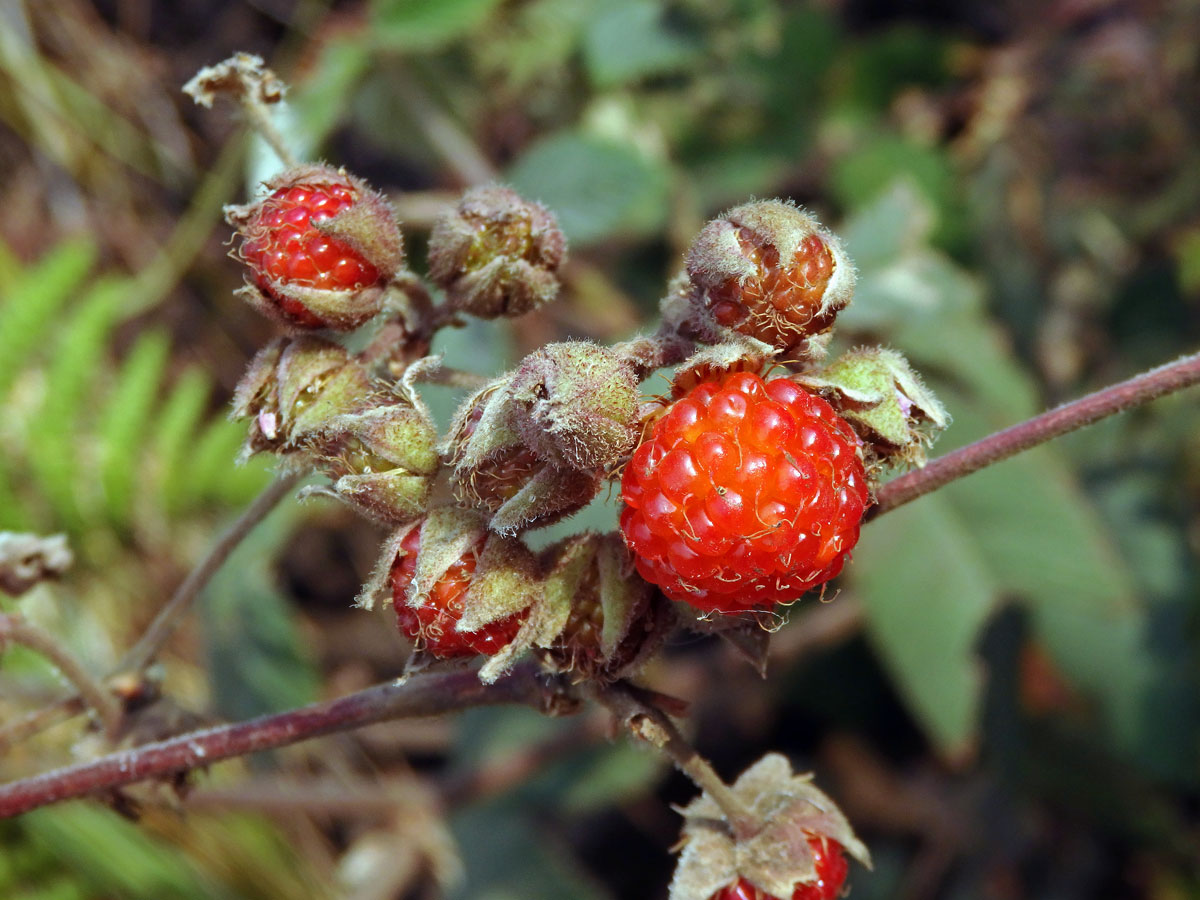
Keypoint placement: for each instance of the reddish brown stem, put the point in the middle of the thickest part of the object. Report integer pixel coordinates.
(424, 696)
(1143, 388)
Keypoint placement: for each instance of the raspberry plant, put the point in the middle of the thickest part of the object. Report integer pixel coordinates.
(744, 489)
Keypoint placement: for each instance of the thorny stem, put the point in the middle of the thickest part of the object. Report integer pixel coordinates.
(1173, 376)
(426, 695)
(169, 617)
(645, 718)
(16, 629)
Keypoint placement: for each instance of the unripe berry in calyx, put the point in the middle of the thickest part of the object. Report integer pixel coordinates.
(770, 271)
(320, 248)
(496, 253)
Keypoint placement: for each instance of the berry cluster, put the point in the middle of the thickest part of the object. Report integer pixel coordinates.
(741, 492)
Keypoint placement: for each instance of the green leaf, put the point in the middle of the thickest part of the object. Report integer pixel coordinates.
(123, 425)
(1025, 525)
(923, 622)
(628, 40)
(862, 174)
(598, 187)
(426, 24)
(1038, 530)
(29, 307)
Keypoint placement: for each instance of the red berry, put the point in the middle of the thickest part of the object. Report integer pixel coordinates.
(284, 246)
(770, 271)
(745, 494)
(432, 625)
(779, 299)
(831, 875)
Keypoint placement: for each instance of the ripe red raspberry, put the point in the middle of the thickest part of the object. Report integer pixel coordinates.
(283, 245)
(831, 875)
(433, 624)
(746, 493)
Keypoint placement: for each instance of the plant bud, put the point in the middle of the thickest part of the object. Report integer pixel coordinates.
(598, 618)
(382, 459)
(576, 405)
(321, 248)
(778, 859)
(294, 388)
(311, 400)
(497, 254)
(885, 401)
(768, 270)
(496, 470)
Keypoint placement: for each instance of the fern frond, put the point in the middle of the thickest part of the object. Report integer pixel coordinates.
(90, 447)
(123, 425)
(29, 307)
(58, 451)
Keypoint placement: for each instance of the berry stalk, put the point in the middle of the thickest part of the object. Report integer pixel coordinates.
(1166, 379)
(648, 721)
